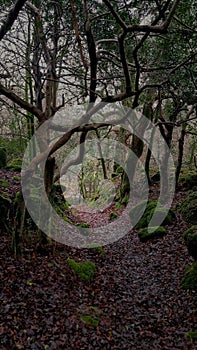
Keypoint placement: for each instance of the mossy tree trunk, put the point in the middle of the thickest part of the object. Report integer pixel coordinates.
(48, 181)
(137, 147)
(180, 154)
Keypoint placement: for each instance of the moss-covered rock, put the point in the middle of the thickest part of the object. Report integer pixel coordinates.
(169, 219)
(190, 237)
(157, 232)
(188, 208)
(139, 212)
(151, 210)
(85, 270)
(15, 164)
(3, 157)
(189, 280)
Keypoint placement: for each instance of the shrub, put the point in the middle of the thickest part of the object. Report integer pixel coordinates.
(189, 280)
(157, 232)
(188, 208)
(190, 237)
(85, 270)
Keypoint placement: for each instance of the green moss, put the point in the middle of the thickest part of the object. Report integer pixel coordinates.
(59, 203)
(90, 320)
(16, 178)
(192, 336)
(113, 216)
(189, 280)
(15, 164)
(158, 232)
(85, 270)
(190, 237)
(188, 208)
(4, 183)
(83, 224)
(60, 212)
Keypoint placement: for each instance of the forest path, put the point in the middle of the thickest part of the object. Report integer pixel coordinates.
(136, 295)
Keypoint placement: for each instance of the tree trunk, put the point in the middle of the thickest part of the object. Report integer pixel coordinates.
(19, 220)
(180, 154)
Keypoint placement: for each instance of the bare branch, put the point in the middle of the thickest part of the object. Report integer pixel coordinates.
(22, 103)
(92, 55)
(78, 39)
(115, 14)
(124, 64)
(12, 16)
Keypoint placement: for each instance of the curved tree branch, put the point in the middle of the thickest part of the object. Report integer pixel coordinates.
(12, 16)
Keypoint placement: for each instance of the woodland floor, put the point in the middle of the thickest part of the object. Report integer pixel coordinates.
(136, 294)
